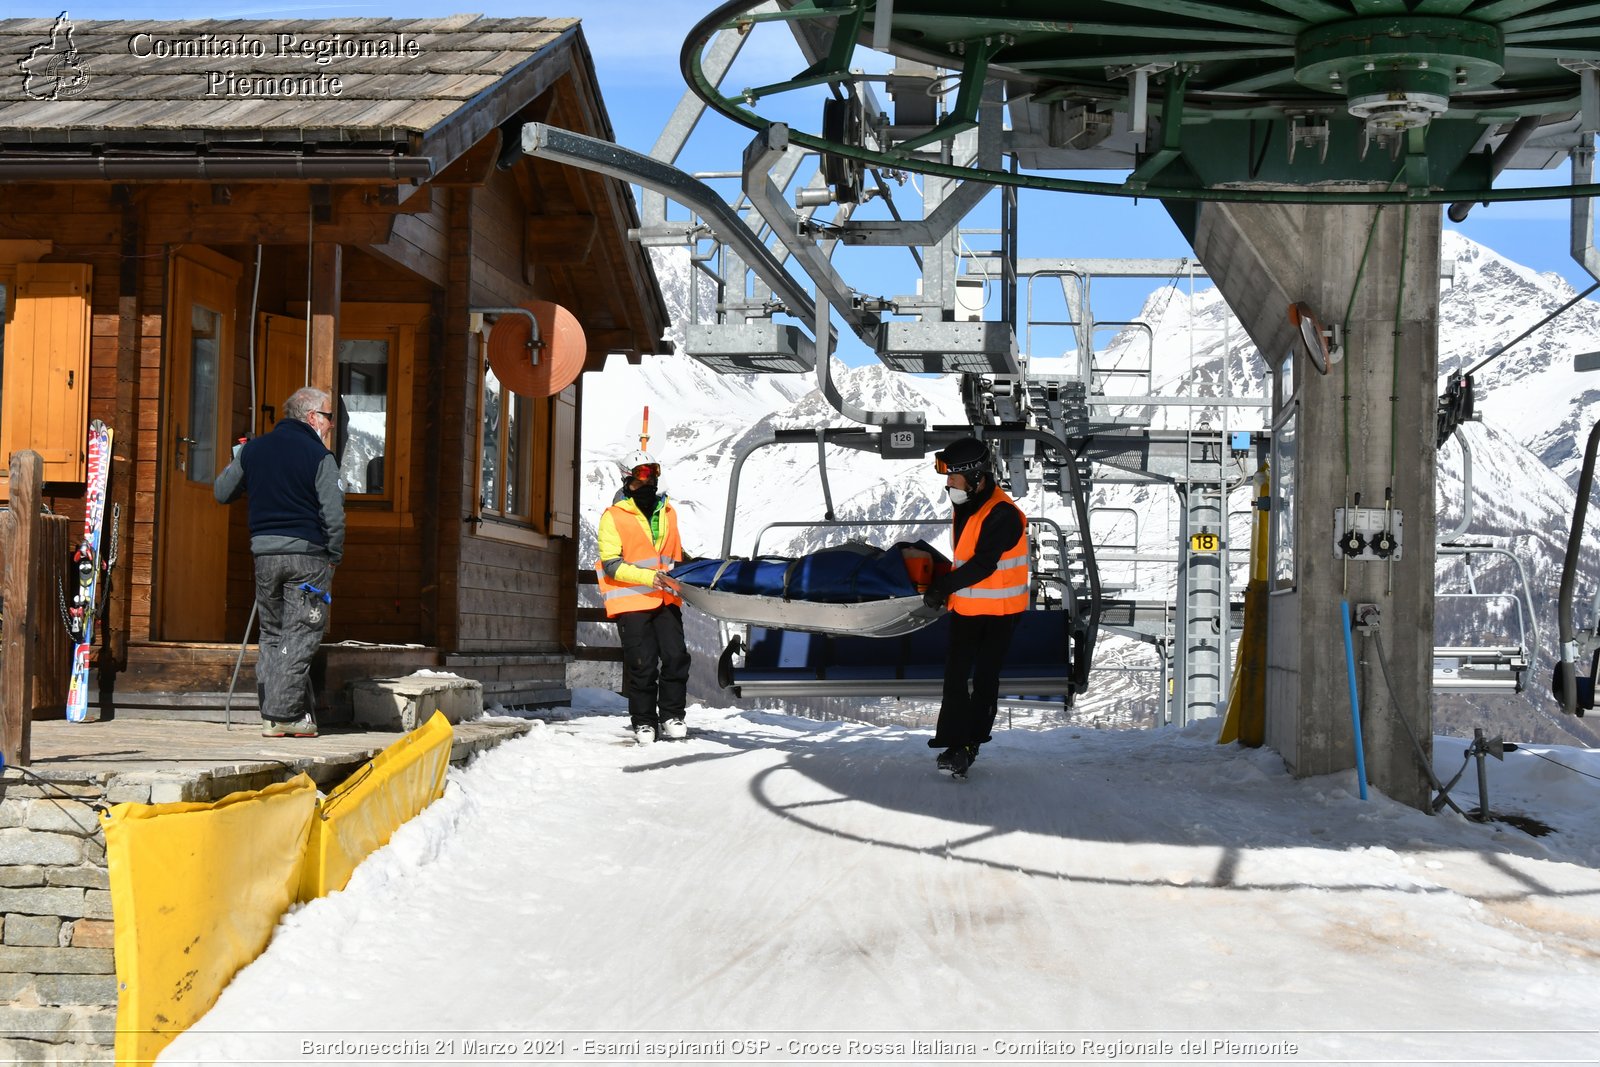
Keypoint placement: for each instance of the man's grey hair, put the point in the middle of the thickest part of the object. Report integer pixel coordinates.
(304, 401)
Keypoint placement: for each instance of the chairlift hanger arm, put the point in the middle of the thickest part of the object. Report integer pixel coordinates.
(1568, 638)
(605, 157)
(823, 331)
(764, 152)
(1466, 489)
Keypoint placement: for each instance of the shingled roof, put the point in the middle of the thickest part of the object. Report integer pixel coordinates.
(397, 82)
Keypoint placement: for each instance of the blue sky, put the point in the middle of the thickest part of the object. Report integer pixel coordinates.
(636, 44)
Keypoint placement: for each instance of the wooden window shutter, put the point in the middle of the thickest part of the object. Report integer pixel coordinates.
(46, 391)
(564, 463)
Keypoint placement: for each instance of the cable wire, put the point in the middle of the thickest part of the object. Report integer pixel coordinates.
(1563, 766)
(44, 782)
(1416, 746)
(1349, 309)
(1531, 329)
(1394, 381)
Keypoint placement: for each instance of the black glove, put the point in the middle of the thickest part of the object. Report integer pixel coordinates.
(934, 598)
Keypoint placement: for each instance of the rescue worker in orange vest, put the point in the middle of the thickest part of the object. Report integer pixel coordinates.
(986, 590)
(638, 544)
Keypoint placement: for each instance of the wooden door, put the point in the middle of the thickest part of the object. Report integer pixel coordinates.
(190, 602)
(46, 356)
(282, 341)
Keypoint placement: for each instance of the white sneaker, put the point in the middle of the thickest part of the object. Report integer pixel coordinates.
(674, 730)
(644, 734)
(304, 726)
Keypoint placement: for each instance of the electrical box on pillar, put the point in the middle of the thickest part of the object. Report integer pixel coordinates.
(1368, 534)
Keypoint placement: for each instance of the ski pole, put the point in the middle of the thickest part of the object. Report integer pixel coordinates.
(227, 705)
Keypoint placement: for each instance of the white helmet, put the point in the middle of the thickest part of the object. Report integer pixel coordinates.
(636, 459)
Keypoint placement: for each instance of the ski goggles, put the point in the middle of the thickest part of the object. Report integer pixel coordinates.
(645, 472)
(957, 468)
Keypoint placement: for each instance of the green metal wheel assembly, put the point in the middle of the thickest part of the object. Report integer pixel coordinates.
(1399, 73)
(1196, 99)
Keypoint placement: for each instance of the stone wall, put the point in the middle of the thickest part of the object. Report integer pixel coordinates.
(58, 985)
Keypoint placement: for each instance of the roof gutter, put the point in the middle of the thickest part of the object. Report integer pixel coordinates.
(15, 168)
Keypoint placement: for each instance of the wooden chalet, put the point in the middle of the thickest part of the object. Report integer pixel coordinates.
(198, 217)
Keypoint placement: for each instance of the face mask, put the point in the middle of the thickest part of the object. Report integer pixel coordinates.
(957, 496)
(644, 497)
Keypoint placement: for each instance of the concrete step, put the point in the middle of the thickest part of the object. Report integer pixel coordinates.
(404, 703)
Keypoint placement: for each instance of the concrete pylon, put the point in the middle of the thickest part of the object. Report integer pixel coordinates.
(1265, 257)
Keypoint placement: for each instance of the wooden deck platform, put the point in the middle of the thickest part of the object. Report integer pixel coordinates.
(156, 760)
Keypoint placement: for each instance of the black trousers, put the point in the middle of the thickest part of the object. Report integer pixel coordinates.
(978, 645)
(655, 664)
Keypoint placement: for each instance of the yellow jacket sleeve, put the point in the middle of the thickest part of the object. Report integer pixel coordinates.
(611, 554)
(610, 542)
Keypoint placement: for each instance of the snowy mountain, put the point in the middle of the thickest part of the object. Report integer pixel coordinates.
(1523, 463)
(1532, 390)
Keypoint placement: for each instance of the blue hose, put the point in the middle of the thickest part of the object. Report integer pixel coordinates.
(1355, 701)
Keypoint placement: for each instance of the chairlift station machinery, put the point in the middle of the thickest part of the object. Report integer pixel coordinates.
(1307, 150)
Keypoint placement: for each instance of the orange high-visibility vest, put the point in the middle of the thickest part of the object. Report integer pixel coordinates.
(1005, 592)
(638, 550)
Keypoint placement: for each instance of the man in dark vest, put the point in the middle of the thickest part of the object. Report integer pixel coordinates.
(297, 538)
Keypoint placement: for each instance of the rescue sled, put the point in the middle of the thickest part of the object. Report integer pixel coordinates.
(855, 589)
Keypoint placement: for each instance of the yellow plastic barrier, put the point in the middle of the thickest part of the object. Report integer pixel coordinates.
(360, 815)
(196, 890)
(1246, 717)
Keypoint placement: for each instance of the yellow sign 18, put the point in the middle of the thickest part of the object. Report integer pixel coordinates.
(1204, 542)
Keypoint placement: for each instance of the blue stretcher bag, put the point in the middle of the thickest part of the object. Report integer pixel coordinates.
(848, 574)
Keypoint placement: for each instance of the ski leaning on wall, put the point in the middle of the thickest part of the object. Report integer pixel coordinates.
(86, 559)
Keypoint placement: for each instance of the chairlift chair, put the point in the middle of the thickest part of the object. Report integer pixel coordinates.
(1486, 666)
(777, 646)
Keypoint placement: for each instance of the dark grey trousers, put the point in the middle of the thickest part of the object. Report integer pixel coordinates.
(292, 624)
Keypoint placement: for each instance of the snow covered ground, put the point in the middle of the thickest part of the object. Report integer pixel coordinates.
(809, 884)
